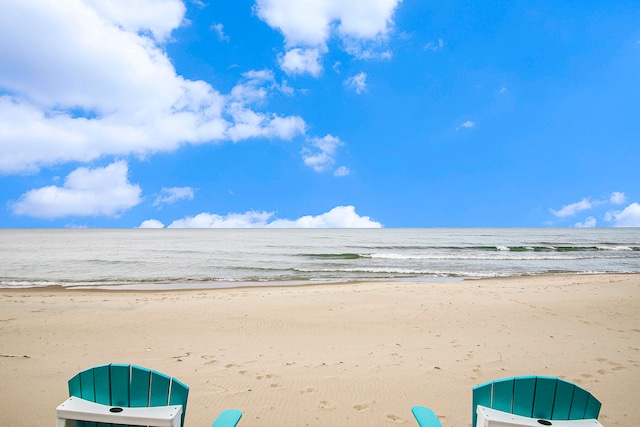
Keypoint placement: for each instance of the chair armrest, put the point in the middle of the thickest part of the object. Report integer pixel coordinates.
(228, 418)
(75, 408)
(425, 417)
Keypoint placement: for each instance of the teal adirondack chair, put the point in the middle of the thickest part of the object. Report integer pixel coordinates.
(538, 398)
(116, 387)
(544, 398)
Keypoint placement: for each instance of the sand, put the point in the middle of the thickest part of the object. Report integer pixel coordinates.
(356, 354)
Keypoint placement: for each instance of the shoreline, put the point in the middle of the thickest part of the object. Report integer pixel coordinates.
(211, 286)
(356, 353)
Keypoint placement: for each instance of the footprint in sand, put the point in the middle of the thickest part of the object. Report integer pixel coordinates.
(307, 390)
(361, 407)
(324, 404)
(396, 419)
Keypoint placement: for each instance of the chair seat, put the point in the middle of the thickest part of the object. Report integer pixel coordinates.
(488, 417)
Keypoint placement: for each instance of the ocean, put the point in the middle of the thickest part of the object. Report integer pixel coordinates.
(158, 259)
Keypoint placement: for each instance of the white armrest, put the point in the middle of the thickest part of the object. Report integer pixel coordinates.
(488, 417)
(75, 408)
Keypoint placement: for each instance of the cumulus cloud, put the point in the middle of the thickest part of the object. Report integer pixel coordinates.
(159, 17)
(628, 217)
(357, 83)
(85, 78)
(250, 219)
(151, 223)
(618, 198)
(173, 194)
(360, 24)
(301, 61)
(320, 155)
(86, 192)
(338, 217)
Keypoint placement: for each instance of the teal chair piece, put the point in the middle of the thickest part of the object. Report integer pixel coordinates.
(547, 398)
(425, 417)
(134, 386)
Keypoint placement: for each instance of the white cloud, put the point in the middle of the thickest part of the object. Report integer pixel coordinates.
(86, 192)
(151, 223)
(320, 156)
(618, 198)
(250, 219)
(300, 61)
(85, 78)
(573, 208)
(590, 222)
(159, 17)
(342, 171)
(173, 194)
(338, 217)
(466, 125)
(628, 217)
(219, 29)
(432, 46)
(358, 83)
(310, 24)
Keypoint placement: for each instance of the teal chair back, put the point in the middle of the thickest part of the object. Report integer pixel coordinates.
(128, 386)
(546, 398)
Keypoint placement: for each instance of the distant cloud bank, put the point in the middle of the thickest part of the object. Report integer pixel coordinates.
(338, 217)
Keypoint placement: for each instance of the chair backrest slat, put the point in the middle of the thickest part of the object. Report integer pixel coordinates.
(102, 384)
(159, 394)
(87, 386)
(562, 403)
(139, 387)
(120, 379)
(593, 408)
(579, 404)
(523, 395)
(481, 396)
(502, 398)
(179, 395)
(544, 398)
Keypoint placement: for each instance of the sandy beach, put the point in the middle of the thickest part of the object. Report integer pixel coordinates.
(357, 354)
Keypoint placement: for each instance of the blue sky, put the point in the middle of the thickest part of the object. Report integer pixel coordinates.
(324, 113)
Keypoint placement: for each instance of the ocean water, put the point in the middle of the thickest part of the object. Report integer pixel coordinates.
(211, 258)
